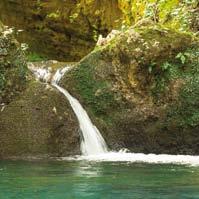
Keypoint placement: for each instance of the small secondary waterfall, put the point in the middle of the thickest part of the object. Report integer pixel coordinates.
(92, 142)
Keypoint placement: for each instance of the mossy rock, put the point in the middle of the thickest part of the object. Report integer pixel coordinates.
(40, 123)
(13, 68)
(132, 86)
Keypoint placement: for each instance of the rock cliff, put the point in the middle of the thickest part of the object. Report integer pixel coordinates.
(63, 30)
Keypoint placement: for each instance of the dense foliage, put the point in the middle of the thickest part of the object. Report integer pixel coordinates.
(172, 13)
(177, 14)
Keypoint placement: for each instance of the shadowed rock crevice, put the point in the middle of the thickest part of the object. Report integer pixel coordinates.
(60, 29)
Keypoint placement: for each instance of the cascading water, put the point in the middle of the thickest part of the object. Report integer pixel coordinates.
(92, 142)
(93, 146)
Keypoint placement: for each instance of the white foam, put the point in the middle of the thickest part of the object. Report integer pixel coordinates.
(139, 157)
(93, 145)
(42, 74)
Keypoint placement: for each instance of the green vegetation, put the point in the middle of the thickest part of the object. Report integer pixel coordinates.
(13, 68)
(54, 15)
(174, 14)
(185, 112)
(190, 93)
(34, 57)
(168, 71)
(96, 93)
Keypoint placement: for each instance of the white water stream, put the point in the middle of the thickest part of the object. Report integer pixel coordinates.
(93, 146)
(92, 142)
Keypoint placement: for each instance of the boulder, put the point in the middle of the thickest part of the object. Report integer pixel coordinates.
(40, 123)
(141, 90)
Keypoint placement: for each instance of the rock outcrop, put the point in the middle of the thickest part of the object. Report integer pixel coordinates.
(13, 69)
(40, 123)
(35, 119)
(140, 90)
(63, 30)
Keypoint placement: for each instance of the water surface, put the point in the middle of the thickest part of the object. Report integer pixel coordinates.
(96, 180)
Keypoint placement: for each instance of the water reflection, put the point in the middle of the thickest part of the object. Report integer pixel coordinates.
(88, 170)
(93, 180)
(87, 176)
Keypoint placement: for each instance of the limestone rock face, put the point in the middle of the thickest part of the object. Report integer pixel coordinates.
(141, 90)
(60, 29)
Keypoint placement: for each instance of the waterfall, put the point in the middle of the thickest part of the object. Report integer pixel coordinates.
(92, 142)
(93, 146)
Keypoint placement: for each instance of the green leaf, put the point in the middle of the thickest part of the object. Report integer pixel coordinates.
(165, 66)
(178, 55)
(183, 59)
